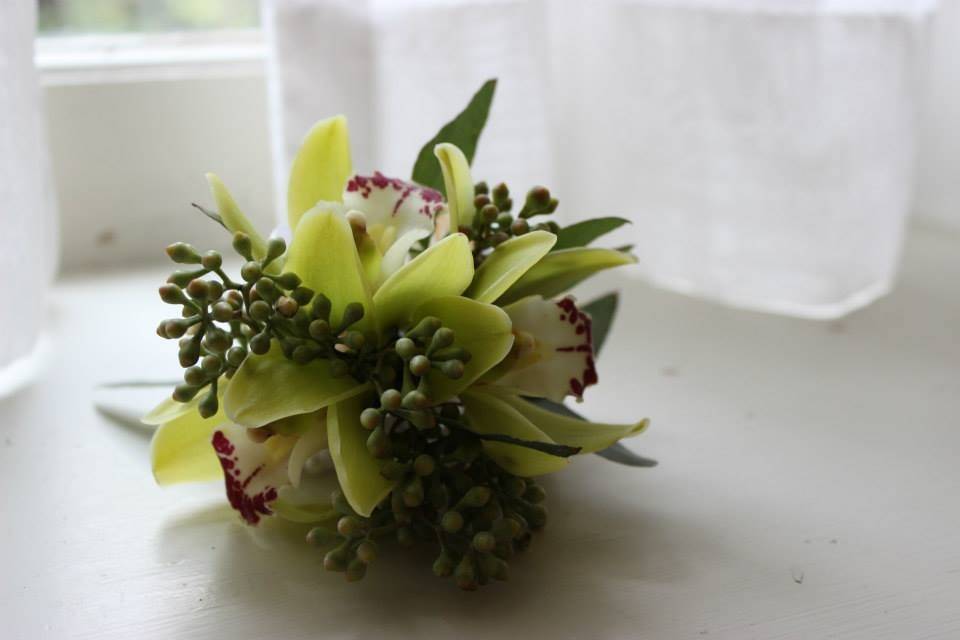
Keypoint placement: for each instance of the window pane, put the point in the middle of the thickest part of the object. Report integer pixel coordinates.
(111, 16)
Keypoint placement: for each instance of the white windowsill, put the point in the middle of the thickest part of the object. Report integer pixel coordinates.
(135, 120)
(806, 489)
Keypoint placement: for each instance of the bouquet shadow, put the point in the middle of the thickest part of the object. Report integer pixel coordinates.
(593, 563)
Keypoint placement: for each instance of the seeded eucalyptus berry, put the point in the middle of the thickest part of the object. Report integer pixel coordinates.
(391, 399)
(444, 564)
(367, 551)
(288, 280)
(452, 521)
(484, 541)
(419, 365)
(183, 253)
(370, 418)
(211, 260)
(222, 312)
(275, 248)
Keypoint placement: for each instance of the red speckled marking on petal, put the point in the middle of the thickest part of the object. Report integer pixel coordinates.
(364, 185)
(250, 506)
(583, 328)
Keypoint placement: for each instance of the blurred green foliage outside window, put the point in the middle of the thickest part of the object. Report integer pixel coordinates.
(73, 17)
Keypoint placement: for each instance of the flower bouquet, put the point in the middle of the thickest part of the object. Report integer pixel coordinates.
(393, 364)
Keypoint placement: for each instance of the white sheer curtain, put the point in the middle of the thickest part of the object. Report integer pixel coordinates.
(27, 227)
(765, 149)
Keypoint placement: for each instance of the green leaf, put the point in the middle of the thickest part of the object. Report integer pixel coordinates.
(573, 431)
(357, 470)
(621, 454)
(488, 415)
(601, 313)
(459, 184)
(445, 269)
(213, 215)
(583, 233)
(508, 263)
(270, 387)
(617, 452)
(320, 169)
(558, 271)
(482, 329)
(324, 255)
(463, 131)
(559, 450)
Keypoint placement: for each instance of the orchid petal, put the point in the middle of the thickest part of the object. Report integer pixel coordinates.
(320, 169)
(589, 436)
(308, 502)
(357, 470)
(312, 429)
(491, 415)
(396, 255)
(482, 329)
(457, 182)
(270, 387)
(253, 472)
(287, 509)
(370, 258)
(508, 263)
(170, 409)
(563, 269)
(397, 212)
(180, 450)
(445, 269)
(233, 219)
(553, 354)
(324, 255)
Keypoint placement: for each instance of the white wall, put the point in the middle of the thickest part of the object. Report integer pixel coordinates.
(130, 157)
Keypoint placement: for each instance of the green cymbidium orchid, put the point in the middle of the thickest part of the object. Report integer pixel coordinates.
(351, 237)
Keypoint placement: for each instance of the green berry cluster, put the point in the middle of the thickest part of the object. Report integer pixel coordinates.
(447, 492)
(494, 223)
(222, 320)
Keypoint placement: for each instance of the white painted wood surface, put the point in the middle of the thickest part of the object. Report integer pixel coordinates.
(807, 489)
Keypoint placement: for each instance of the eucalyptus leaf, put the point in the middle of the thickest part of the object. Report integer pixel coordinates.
(621, 454)
(463, 131)
(583, 233)
(616, 452)
(601, 312)
(587, 437)
(213, 215)
(550, 448)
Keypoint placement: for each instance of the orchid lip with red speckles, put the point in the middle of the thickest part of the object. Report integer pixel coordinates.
(252, 472)
(561, 360)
